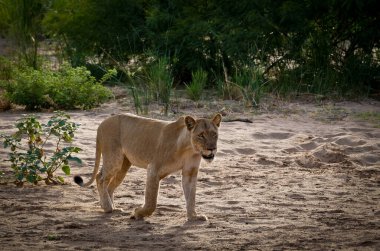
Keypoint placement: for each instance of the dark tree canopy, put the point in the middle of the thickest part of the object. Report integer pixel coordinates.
(315, 44)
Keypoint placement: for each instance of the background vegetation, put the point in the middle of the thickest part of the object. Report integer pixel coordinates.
(328, 47)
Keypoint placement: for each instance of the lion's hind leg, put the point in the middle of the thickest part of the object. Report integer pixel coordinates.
(118, 177)
(112, 164)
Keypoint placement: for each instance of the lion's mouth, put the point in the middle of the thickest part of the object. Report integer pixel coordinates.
(208, 157)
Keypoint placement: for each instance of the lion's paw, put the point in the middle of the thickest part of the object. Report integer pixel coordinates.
(199, 217)
(108, 210)
(137, 215)
(118, 210)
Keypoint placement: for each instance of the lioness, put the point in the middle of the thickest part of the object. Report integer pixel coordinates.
(160, 147)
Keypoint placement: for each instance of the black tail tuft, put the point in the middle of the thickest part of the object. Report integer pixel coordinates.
(78, 180)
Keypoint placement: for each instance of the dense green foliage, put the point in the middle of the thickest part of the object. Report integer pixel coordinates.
(30, 160)
(319, 46)
(97, 27)
(68, 88)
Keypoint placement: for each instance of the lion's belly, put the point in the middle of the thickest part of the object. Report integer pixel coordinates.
(138, 161)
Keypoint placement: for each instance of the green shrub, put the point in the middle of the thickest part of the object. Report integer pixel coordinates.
(195, 88)
(30, 161)
(69, 88)
(29, 87)
(76, 88)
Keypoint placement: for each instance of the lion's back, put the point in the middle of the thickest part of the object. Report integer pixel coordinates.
(137, 137)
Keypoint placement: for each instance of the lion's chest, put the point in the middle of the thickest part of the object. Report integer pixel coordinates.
(177, 164)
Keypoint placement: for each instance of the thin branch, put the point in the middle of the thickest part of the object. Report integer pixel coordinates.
(245, 120)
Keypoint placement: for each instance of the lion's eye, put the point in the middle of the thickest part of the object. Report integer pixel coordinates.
(201, 136)
(214, 135)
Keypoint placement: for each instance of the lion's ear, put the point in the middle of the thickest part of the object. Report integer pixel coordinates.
(217, 119)
(190, 122)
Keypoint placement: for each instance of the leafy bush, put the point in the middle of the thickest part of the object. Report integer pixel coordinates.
(29, 87)
(198, 83)
(68, 88)
(76, 88)
(31, 161)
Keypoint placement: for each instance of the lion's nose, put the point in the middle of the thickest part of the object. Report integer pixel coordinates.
(213, 149)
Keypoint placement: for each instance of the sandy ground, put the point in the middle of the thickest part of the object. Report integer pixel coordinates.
(299, 177)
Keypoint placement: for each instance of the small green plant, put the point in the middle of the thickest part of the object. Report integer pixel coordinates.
(195, 88)
(30, 160)
(53, 237)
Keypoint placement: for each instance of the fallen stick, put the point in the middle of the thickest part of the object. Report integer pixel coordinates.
(239, 120)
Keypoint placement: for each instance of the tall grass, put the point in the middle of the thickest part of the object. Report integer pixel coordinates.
(195, 88)
(161, 80)
(136, 99)
(141, 94)
(252, 82)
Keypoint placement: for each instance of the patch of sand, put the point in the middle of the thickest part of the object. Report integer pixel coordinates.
(286, 181)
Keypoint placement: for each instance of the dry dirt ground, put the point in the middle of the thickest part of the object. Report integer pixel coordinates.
(300, 177)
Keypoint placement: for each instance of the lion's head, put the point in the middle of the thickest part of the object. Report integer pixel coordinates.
(204, 135)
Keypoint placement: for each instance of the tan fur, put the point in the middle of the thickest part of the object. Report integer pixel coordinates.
(160, 147)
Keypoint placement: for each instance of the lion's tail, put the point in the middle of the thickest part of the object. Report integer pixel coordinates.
(98, 153)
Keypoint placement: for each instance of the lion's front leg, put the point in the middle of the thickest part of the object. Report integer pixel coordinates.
(151, 193)
(189, 183)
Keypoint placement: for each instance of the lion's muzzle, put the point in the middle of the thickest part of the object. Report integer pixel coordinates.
(209, 154)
